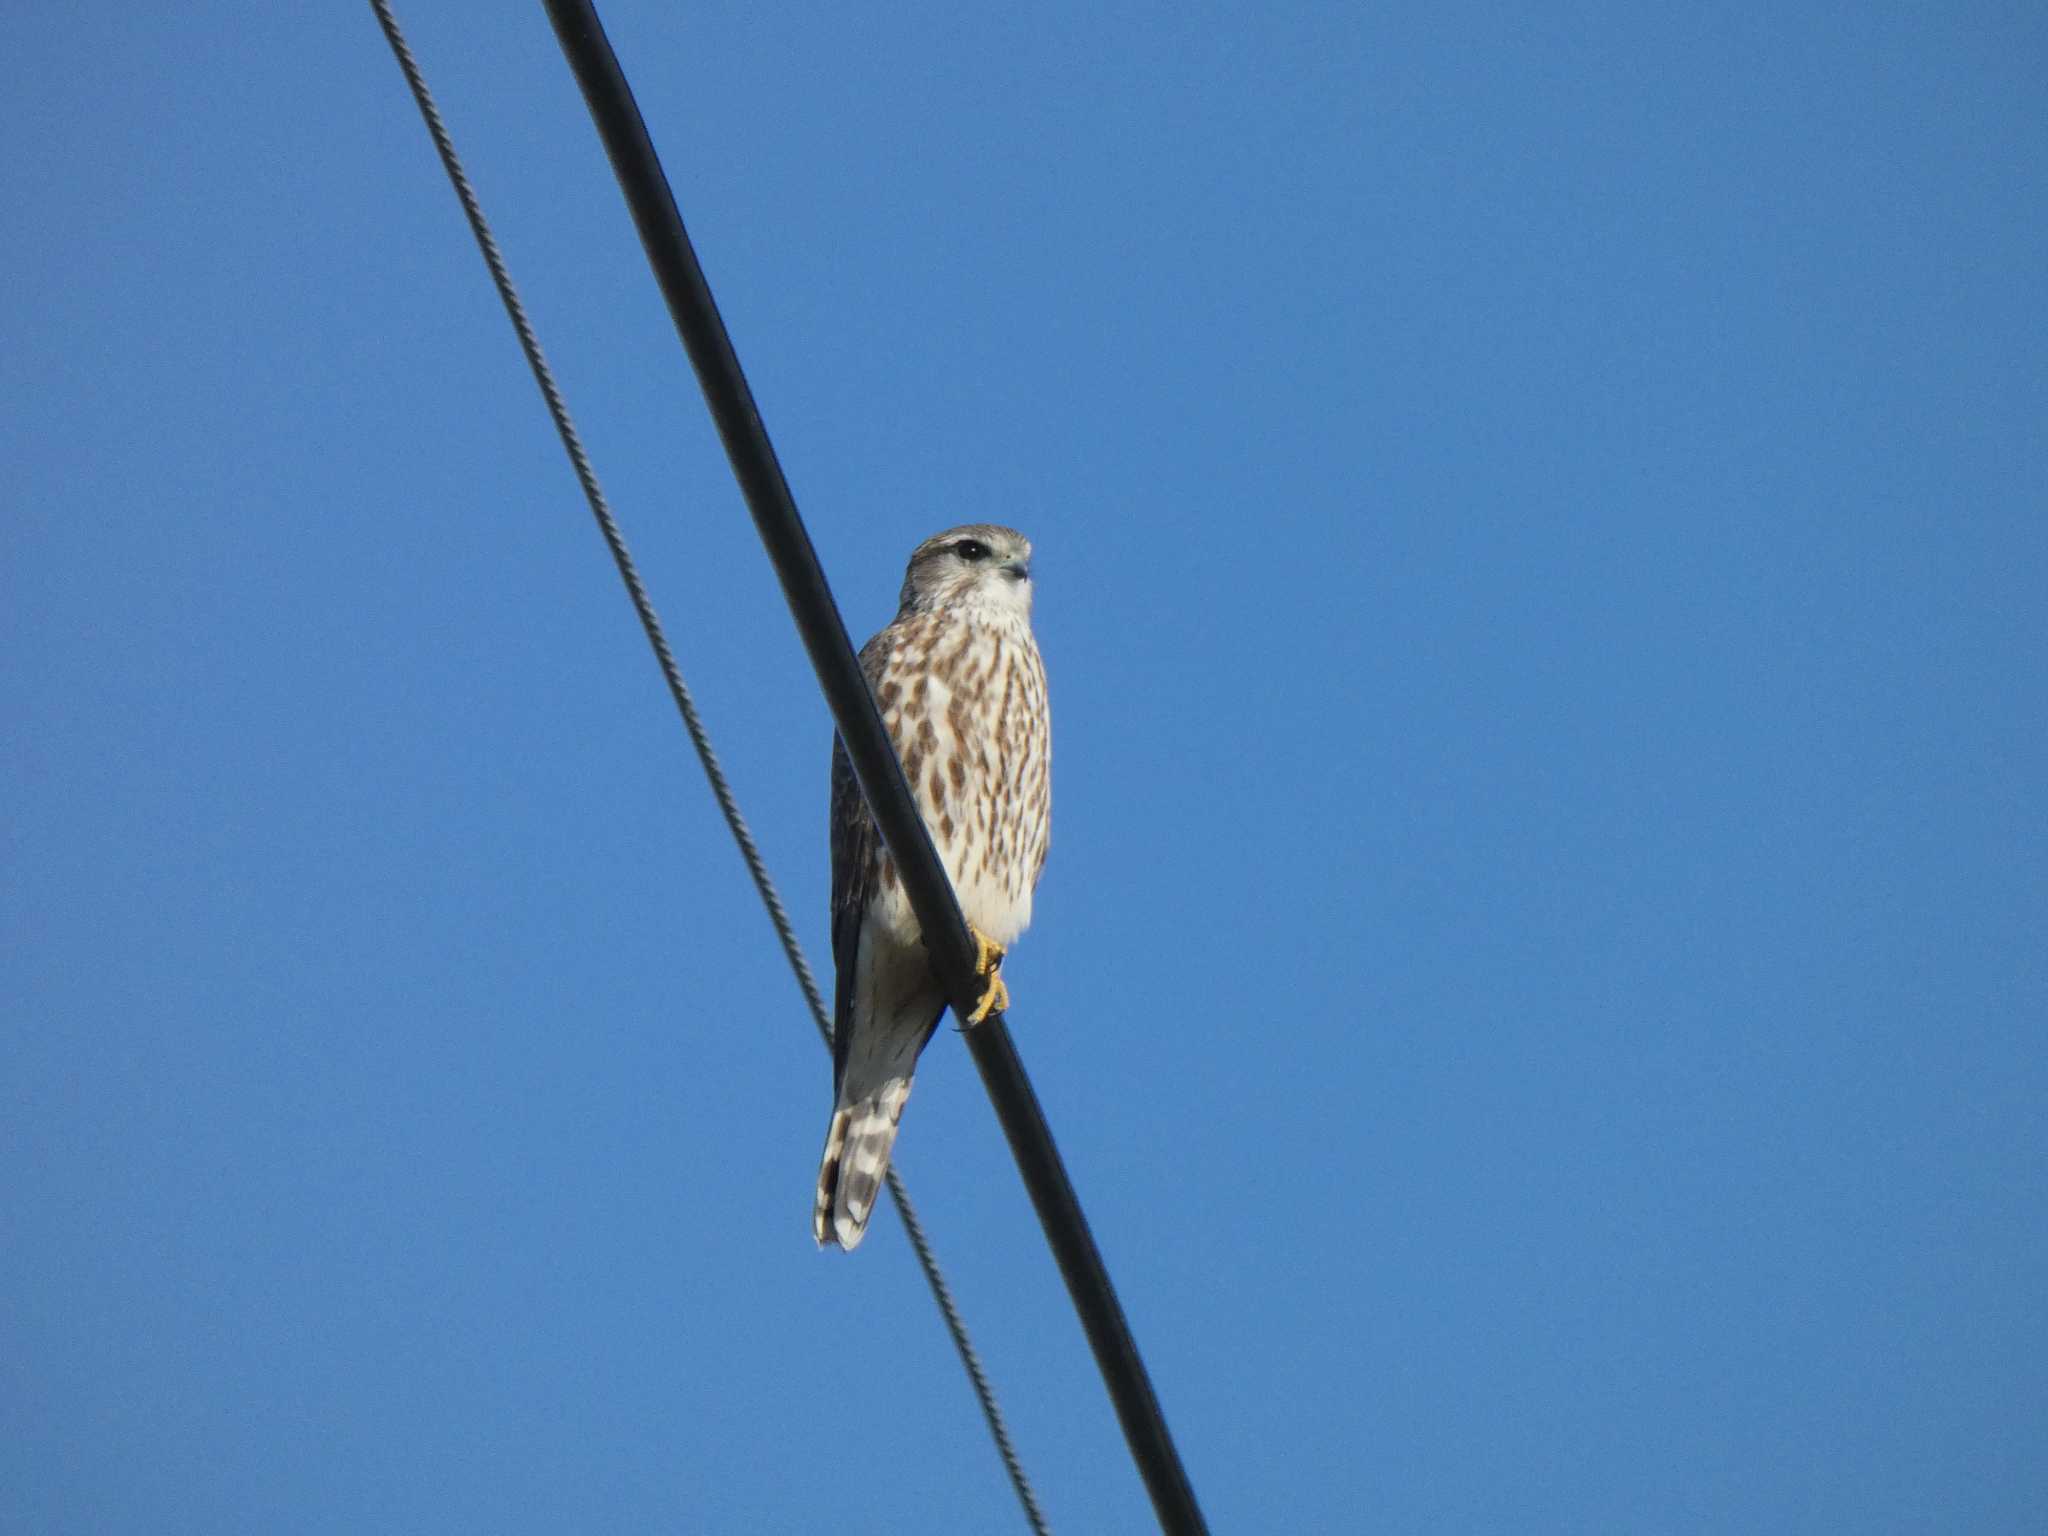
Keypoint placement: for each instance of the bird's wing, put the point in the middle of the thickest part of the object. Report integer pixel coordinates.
(854, 848)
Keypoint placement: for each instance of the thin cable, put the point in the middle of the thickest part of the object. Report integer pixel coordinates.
(721, 790)
(788, 543)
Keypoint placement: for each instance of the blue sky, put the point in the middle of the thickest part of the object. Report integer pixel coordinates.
(1542, 522)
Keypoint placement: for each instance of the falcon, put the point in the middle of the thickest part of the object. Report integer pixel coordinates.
(961, 690)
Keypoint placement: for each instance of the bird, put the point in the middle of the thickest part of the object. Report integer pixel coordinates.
(961, 690)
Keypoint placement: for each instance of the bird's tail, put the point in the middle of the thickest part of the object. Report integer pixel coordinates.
(856, 1159)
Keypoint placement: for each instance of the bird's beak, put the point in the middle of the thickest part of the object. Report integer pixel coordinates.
(1017, 570)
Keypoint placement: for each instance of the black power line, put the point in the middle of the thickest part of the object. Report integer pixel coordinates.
(700, 738)
(782, 532)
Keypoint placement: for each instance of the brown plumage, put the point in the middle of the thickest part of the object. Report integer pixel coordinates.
(962, 692)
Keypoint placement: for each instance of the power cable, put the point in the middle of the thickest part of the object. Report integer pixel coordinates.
(782, 533)
(721, 790)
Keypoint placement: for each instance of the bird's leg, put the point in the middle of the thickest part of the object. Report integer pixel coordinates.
(988, 961)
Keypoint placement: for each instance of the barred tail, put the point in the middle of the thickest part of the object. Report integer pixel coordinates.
(856, 1159)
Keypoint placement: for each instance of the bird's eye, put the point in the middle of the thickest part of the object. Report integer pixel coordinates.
(971, 550)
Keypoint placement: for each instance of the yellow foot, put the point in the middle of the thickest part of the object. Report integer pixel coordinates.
(988, 961)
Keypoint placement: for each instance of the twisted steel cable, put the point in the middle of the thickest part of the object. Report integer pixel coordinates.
(700, 738)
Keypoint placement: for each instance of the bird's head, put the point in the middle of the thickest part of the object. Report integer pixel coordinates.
(978, 564)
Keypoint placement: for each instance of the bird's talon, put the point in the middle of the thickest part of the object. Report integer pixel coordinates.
(995, 1000)
(988, 960)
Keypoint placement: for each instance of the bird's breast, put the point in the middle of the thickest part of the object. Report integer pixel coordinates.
(964, 704)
